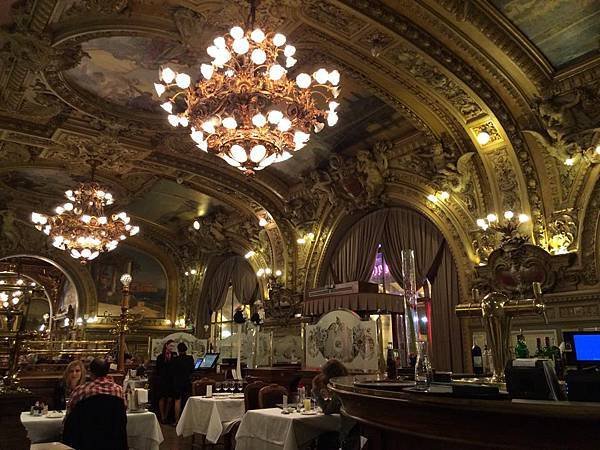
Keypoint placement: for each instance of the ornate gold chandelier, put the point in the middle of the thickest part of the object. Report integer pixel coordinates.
(80, 225)
(244, 108)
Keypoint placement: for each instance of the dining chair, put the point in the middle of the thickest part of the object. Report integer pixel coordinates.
(97, 423)
(269, 396)
(199, 386)
(251, 394)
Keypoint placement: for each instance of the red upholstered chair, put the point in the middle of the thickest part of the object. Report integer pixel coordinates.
(251, 394)
(199, 386)
(270, 395)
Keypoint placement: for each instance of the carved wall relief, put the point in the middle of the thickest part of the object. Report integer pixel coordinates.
(507, 180)
(427, 73)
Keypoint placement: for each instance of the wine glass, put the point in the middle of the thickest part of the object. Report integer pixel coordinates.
(231, 386)
(218, 387)
(240, 386)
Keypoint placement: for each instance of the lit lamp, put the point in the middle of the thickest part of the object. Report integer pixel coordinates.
(502, 231)
(248, 106)
(122, 324)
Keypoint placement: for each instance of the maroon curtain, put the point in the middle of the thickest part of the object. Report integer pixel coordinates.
(355, 256)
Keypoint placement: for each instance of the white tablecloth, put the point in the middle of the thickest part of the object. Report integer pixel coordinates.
(209, 416)
(269, 429)
(143, 430)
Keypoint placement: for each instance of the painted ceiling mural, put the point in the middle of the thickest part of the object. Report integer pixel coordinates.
(563, 30)
(122, 69)
(172, 205)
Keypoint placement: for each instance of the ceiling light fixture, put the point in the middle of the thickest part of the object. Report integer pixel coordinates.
(80, 225)
(483, 138)
(244, 108)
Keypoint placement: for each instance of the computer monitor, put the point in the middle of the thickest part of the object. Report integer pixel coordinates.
(198, 363)
(582, 348)
(209, 361)
(587, 347)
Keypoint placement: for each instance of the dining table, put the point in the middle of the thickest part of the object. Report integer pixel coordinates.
(143, 429)
(211, 416)
(271, 429)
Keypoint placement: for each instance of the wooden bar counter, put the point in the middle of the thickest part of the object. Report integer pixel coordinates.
(394, 420)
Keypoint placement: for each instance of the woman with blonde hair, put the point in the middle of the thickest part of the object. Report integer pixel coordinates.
(73, 376)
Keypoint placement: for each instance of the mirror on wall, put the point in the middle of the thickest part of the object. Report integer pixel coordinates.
(54, 300)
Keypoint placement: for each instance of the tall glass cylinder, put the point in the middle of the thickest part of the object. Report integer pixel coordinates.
(411, 318)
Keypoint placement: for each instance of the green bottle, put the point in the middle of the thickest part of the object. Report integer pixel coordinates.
(521, 350)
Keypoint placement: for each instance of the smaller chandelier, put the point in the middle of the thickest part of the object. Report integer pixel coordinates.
(244, 108)
(80, 225)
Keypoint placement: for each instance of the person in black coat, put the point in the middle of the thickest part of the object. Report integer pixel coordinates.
(182, 368)
(165, 386)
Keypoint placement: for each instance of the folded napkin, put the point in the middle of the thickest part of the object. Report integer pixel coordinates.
(142, 395)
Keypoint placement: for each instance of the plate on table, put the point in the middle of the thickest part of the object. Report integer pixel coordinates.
(55, 415)
(312, 412)
(137, 411)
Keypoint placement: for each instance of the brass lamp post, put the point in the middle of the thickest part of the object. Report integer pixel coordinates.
(123, 319)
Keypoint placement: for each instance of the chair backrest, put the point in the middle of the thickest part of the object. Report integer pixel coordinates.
(97, 423)
(199, 386)
(251, 394)
(269, 396)
(250, 379)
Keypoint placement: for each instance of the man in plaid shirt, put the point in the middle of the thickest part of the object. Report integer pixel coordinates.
(100, 384)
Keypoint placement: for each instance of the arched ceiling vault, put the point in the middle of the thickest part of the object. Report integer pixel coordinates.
(420, 80)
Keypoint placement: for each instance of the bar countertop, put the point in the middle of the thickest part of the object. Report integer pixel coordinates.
(401, 419)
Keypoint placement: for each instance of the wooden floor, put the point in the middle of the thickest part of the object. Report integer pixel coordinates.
(172, 441)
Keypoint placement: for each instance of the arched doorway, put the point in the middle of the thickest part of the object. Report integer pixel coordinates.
(385, 233)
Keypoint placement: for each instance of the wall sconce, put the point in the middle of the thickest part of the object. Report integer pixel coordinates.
(250, 254)
(495, 232)
(439, 195)
(308, 237)
(267, 272)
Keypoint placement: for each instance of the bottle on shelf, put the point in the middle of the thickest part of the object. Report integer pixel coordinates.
(547, 351)
(488, 365)
(521, 350)
(423, 369)
(557, 358)
(477, 359)
(391, 362)
(539, 352)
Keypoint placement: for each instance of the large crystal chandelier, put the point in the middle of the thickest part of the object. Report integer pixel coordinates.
(244, 108)
(81, 227)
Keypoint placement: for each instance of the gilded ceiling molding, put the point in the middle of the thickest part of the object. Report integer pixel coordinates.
(517, 86)
(412, 37)
(438, 51)
(589, 243)
(28, 48)
(429, 125)
(504, 35)
(575, 76)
